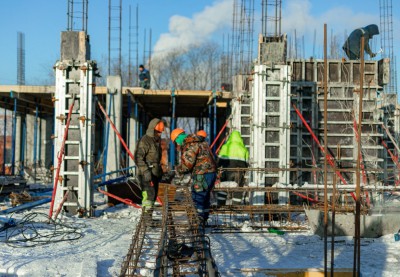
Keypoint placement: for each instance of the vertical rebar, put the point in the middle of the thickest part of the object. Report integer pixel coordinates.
(280, 17)
(276, 18)
(20, 58)
(314, 42)
(386, 31)
(69, 15)
(295, 44)
(333, 205)
(120, 40)
(263, 19)
(326, 153)
(357, 244)
(114, 15)
(130, 49)
(144, 47)
(109, 37)
(137, 44)
(77, 15)
(150, 35)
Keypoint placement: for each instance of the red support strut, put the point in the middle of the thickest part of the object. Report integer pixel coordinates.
(60, 159)
(329, 157)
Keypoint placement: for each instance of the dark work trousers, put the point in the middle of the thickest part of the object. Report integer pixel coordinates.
(231, 176)
(201, 199)
(149, 191)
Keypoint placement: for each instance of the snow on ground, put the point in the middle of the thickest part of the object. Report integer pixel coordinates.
(235, 251)
(99, 252)
(106, 240)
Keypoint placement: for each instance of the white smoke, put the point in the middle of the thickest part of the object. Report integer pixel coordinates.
(185, 32)
(340, 20)
(297, 15)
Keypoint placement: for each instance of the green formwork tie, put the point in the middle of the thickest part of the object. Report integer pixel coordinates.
(276, 231)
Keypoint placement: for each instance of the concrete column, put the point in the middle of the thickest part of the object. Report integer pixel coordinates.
(132, 132)
(114, 94)
(47, 123)
(18, 142)
(30, 123)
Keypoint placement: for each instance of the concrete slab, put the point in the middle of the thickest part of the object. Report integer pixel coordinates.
(372, 226)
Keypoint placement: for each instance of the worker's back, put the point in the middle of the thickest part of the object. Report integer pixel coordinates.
(352, 44)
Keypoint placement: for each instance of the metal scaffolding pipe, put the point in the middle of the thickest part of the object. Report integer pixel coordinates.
(215, 118)
(14, 132)
(211, 137)
(23, 146)
(173, 126)
(136, 114)
(105, 154)
(128, 122)
(5, 141)
(35, 140)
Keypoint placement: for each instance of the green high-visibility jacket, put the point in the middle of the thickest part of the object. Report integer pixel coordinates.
(234, 148)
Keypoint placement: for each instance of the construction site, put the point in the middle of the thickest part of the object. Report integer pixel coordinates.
(319, 195)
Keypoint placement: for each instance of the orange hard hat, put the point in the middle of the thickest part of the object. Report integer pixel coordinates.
(201, 133)
(175, 133)
(159, 127)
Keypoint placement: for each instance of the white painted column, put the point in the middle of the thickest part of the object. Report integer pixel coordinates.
(114, 94)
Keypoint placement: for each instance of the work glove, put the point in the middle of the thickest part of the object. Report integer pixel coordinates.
(147, 175)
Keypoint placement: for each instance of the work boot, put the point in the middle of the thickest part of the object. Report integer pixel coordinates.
(179, 250)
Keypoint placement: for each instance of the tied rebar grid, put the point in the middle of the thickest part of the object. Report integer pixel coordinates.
(184, 228)
(146, 253)
(266, 213)
(150, 251)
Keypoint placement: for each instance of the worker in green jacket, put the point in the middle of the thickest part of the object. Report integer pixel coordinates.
(233, 154)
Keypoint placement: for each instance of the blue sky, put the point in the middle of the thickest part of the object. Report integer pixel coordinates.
(173, 23)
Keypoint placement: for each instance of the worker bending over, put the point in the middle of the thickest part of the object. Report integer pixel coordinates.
(197, 159)
(353, 43)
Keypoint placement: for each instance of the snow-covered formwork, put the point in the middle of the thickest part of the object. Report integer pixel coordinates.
(74, 85)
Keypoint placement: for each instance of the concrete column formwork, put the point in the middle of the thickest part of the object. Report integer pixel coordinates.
(75, 82)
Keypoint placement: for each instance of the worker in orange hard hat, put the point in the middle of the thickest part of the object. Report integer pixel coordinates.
(197, 160)
(202, 134)
(148, 161)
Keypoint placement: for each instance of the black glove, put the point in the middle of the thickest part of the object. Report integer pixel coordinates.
(147, 175)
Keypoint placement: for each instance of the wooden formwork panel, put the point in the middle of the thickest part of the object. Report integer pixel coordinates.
(338, 71)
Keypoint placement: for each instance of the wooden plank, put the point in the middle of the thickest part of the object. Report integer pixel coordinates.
(297, 272)
(103, 90)
(27, 89)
